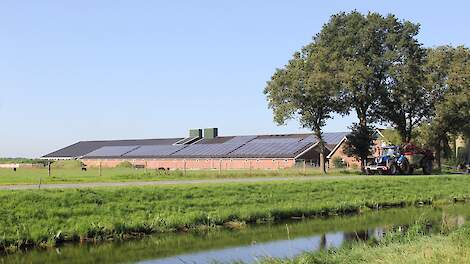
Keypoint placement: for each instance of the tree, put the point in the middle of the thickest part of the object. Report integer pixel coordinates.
(392, 136)
(304, 90)
(358, 143)
(406, 101)
(448, 75)
(362, 50)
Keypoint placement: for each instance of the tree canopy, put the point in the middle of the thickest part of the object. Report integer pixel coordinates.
(303, 90)
(374, 66)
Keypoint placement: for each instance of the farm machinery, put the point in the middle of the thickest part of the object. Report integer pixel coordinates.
(401, 160)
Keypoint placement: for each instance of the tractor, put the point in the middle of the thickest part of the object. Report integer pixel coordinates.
(401, 160)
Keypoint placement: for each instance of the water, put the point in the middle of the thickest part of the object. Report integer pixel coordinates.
(249, 244)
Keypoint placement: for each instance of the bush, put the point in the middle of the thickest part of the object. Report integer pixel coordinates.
(67, 164)
(338, 162)
(125, 164)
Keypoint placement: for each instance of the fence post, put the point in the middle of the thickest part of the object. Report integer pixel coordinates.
(184, 167)
(99, 169)
(305, 167)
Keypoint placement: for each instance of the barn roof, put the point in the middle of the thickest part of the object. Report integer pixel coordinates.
(254, 146)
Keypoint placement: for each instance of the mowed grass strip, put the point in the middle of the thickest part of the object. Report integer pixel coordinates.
(46, 217)
(76, 175)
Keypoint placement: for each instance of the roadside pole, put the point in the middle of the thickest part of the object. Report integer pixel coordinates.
(48, 173)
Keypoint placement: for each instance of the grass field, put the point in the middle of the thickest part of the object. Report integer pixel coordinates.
(76, 175)
(411, 247)
(45, 217)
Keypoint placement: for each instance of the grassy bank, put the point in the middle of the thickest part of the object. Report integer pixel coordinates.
(171, 245)
(76, 175)
(413, 246)
(46, 217)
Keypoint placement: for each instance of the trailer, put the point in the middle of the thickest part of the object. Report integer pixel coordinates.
(402, 160)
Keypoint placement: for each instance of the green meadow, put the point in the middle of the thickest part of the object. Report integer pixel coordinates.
(43, 218)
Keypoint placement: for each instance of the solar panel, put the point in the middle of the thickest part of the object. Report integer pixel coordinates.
(111, 151)
(276, 140)
(154, 151)
(240, 140)
(310, 139)
(269, 149)
(329, 138)
(207, 150)
(334, 138)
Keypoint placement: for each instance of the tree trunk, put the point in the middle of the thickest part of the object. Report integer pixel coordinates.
(322, 161)
(363, 124)
(438, 156)
(321, 146)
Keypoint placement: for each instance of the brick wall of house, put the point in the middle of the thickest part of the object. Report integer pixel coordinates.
(339, 153)
(224, 164)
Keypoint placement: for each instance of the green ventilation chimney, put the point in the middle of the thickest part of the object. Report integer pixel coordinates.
(195, 133)
(211, 132)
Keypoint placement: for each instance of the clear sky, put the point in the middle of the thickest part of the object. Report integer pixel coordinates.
(83, 70)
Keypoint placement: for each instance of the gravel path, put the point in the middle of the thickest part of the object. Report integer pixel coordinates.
(172, 182)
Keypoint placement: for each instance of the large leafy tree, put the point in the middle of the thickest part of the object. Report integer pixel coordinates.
(407, 101)
(448, 77)
(304, 90)
(368, 49)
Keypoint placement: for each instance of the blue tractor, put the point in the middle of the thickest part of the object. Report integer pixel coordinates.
(394, 161)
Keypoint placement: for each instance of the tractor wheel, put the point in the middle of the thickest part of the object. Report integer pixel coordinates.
(427, 167)
(393, 170)
(405, 168)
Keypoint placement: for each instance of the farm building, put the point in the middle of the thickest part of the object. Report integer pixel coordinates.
(201, 150)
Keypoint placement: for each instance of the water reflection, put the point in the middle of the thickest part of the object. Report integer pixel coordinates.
(274, 249)
(249, 244)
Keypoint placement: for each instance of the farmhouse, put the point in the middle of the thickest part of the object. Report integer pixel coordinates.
(203, 150)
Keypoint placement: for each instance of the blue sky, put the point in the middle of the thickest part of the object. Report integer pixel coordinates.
(83, 70)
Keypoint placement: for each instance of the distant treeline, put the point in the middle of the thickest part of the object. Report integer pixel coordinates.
(22, 161)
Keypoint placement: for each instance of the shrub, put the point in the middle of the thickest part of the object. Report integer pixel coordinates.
(338, 162)
(67, 164)
(125, 164)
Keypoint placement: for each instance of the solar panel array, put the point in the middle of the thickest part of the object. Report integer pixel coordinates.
(236, 147)
(207, 150)
(240, 140)
(262, 150)
(154, 151)
(334, 138)
(310, 139)
(111, 151)
(269, 140)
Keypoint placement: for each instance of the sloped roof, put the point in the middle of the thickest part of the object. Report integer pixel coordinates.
(82, 148)
(254, 146)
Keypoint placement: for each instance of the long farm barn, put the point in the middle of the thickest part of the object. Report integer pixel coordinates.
(205, 150)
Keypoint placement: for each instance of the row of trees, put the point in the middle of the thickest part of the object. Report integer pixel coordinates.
(374, 66)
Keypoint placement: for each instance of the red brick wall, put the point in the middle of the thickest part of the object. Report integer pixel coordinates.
(225, 164)
(349, 161)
